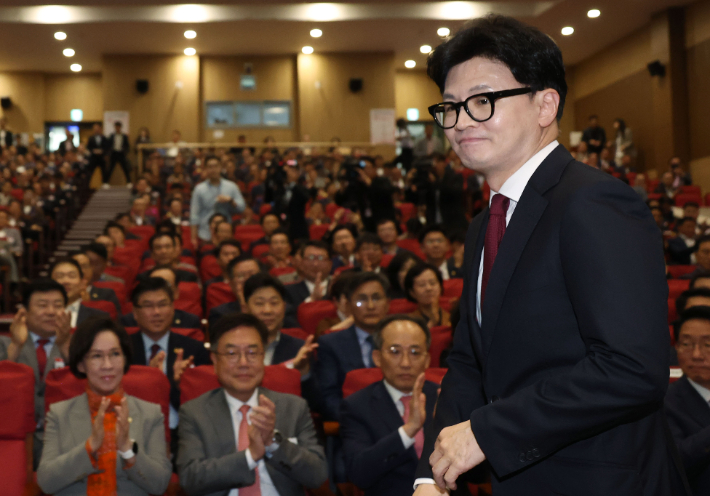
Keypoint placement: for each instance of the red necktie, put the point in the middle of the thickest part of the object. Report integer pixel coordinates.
(494, 235)
(41, 356)
(419, 436)
(254, 489)
(154, 350)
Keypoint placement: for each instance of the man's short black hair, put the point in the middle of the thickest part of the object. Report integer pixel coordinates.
(212, 157)
(313, 243)
(237, 260)
(457, 236)
(368, 238)
(377, 335)
(151, 284)
(260, 281)
(385, 221)
(63, 261)
(691, 204)
(682, 301)
(348, 227)
(97, 249)
(533, 58)
(430, 229)
(363, 278)
(415, 272)
(702, 239)
(84, 336)
(163, 267)
(166, 226)
(159, 235)
(231, 321)
(228, 242)
(340, 284)
(684, 220)
(42, 285)
(705, 274)
(263, 217)
(214, 216)
(700, 312)
(113, 223)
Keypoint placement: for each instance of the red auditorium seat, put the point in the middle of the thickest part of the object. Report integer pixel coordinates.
(672, 333)
(453, 287)
(408, 210)
(445, 302)
(652, 184)
(141, 381)
(209, 268)
(17, 383)
(124, 272)
(676, 287)
(295, 332)
(342, 269)
(677, 271)
(311, 313)
(357, 379)
(439, 342)
(249, 228)
(259, 251)
(218, 293)
(411, 245)
(118, 288)
(247, 238)
(331, 208)
(672, 313)
(683, 198)
(317, 231)
(190, 299)
(691, 190)
(401, 305)
(103, 305)
(187, 238)
(195, 334)
(264, 209)
(282, 271)
(386, 259)
(144, 232)
(198, 380)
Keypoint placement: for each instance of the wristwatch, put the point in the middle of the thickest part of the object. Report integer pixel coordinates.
(132, 451)
(277, 437)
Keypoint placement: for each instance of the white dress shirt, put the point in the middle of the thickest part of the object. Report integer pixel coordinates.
(118, 142)
(74, 310)
(270, 349)
(702, 391)
(444, 269)
(397, 396)
(267, 486)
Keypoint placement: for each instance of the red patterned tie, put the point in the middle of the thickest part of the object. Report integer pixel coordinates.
(41, 356)
(254, 489)
(494, 235)
(419, 436)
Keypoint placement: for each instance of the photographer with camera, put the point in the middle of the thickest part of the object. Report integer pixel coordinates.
(367, 191)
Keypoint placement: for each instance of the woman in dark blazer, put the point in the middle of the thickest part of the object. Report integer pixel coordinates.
(423, 285)
(103, 442)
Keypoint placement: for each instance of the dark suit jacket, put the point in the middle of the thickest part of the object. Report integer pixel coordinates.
(190, 346)
(338, 354)
(182, 319)
(223, 309)
(451, 200)
(297, 292)
(286, 349)
(564, 382)
(375, 457)
(679, 251)
(105, 294)
(87, 312)
(454, 272)
(689, 420)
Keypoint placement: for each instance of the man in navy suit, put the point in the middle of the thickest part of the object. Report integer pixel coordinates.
(92, 292)
(239, 270)
(559, 364)
(118, 148)
(343, 351)
(68, 273)
(97, 148)
(687, 399)
(314, 267)
(681, 248)
(382, 425)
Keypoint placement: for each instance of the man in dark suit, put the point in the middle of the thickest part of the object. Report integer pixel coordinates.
(444, 196)
(157, 346)
(269, 223)
(292, 204)
(560, 362)
(382, 426)
(702, 257)
(5, 134)
(162, 249)
(67, 145)
(343, 351)
(68, 273)
(687, 399)
(94, 293)
(118, 148)
(239, 269)
(682, 247)
(242, 434)
(97, 147)
(314, 269)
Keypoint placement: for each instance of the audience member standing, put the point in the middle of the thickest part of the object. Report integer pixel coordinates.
(118, 147)
(97, 147)
(624, 141)
(428, 144)
(594, 136)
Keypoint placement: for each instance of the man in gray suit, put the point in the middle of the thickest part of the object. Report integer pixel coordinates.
(242, 438)
(39, 337)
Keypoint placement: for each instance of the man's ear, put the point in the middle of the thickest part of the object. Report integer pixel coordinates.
(548, 101)
(377, 358)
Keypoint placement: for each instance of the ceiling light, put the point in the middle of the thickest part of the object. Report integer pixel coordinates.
(190, 51)
(60, 35)
(68, 52)
(75, 67)
(567, 30)
(594, 13)
(307, 50)
(316, 33)
(190, 34)
(425, 48)
(410, 64)
(443, 32)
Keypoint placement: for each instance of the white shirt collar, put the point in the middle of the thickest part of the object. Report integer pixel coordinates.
(235, 404)
(702, 391)
(513, 187)
(394, 393)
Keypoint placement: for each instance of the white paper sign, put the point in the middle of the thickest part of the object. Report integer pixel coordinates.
(382, 126)
(110, 118)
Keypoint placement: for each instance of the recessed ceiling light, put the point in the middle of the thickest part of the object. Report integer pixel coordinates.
(68, 52)
(190, 34)
(594, 13)
(75, 67)
(443, 32)
(567, 30)
(190, 51)
(410, 64)
(307, 50)
(60, 35)
(425, 48)
(316, 33)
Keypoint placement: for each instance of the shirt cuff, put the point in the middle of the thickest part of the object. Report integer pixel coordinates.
(423, 481)
(270, 449)
(250, 461)
(406, 440)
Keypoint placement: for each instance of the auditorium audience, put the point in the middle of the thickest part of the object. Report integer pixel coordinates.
(387, 232)
(397, 271)
(243, 434)
(314, 270)
(368, 253)
(681, 248)
(94, 293)
(240, 269)
(700, 280)
(434, 245)
(98, 254)
(225, 252)
(68, 273)
(338, 296)
(165, 251)
(702, 257)
(269, 223)
(423, 285)
(342, 244)
(279, 255)
(125, 451)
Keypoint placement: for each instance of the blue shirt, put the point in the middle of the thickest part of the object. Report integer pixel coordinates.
(365, 346)
(204, 204)
(163, 343)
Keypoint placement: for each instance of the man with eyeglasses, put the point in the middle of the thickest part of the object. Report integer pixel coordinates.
(688, 399)
(157, 346)
(349, 349)
(435, 245)
(243, 439)
(382, 426)
(560, 361)
(314, 267)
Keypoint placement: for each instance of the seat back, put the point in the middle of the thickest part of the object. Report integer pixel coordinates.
(196, 381)
(357, 379)
(453, 287)
(190, 299)
(386, 259)
(259, 251)
(683, 198)
(401, 305)
(311, 313)
(195, 334)
(209, 268)
(440, 341)
(281, 271)
(295, 332)
(317, 231)
(677, 271)
(672, 312)
(218, 293)
(676, 287)
(118, 288)
(103, 305)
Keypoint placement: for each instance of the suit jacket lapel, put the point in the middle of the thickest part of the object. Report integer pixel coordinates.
(700, 410)
(221, 420)
(28, 356)
(355, 345)
(170, 356)
(388, 410)
(80, 420)
(473, 277)
(138, 349)
(527, 214)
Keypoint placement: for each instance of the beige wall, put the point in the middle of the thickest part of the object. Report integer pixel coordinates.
(165, 106)
(414, 89)
(73, 91)
(26, 89)
(275, 80)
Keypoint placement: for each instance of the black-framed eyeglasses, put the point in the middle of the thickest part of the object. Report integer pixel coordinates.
(479, 107)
